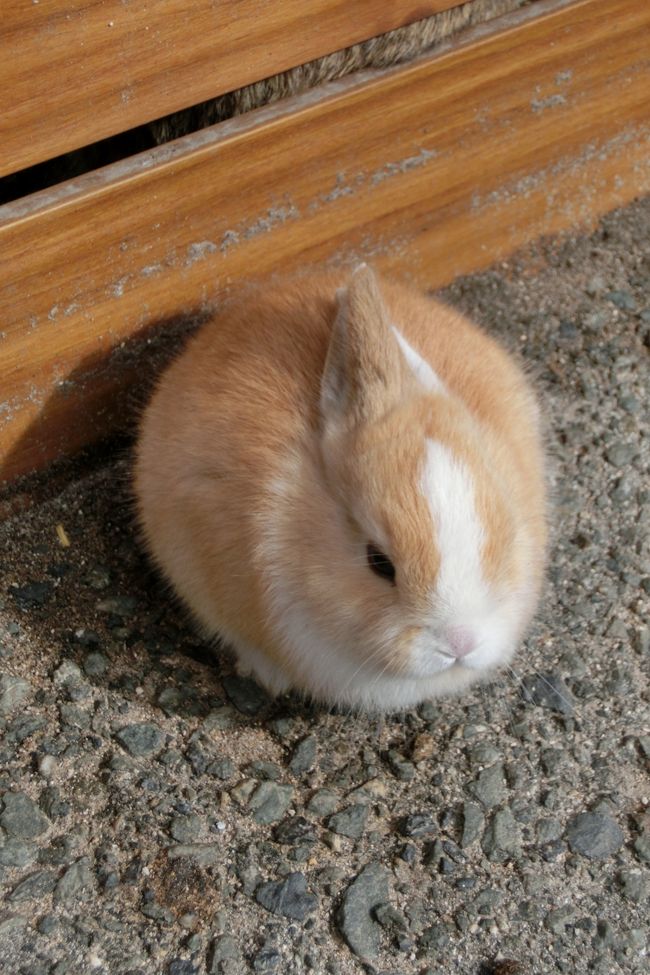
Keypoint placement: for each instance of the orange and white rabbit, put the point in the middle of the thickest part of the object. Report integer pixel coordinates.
(344, 480)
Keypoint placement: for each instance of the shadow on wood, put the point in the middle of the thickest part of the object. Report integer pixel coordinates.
(108, 391)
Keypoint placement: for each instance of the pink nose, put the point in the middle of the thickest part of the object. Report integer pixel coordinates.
(461, 640)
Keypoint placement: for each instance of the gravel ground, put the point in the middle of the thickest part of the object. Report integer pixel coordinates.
(160, 815)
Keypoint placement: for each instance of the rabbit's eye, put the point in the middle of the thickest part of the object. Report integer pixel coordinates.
(380, 564)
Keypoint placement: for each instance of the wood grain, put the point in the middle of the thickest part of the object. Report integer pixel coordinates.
(75, 71)
(429, 170)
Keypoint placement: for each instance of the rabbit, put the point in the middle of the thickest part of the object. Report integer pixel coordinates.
(344, 480)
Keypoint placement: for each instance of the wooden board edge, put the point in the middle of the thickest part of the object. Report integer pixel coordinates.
(73, 76)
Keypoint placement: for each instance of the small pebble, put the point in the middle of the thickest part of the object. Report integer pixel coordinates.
(417, 824)
(141, 739)
(304, 755)
(76, 880)
(489, 787)
(594, 835)
(247, 696)
(67, 673)
(473, 824)
(21, 818)
(95, 664)
(288, 897)
(32, 594)
(13, 692)
(270, 801)
(356, 919)
(32, 887)
(549, 691)
(350, 822)
(47, 766)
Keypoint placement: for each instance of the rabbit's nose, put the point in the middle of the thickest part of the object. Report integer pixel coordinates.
(461, 640)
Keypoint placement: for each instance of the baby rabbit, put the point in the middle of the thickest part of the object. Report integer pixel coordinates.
(344, 480)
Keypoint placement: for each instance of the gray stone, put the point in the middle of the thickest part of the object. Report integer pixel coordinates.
(622, 299)
(356, 918)
(503, 835)
(605, 932)
(181, 966)
(323, 802)
(549, 691)
(489, 786)
(595, 321)
(67, 673)
(95, 664)
(32, 594)
(391, 920)
(634, 885)
(552, 760)
(47, 766)
(483, 753)
(242, 792)
(267, 961)
(351, 821)
(641, 847)
(297, 829)
(558, 920)
(288, 897)
(21, 817)
(473, 824)
(86, 638)
(48, 923)
(23, 726)
(38, 884)
(304, 755)
(435, 937)
(221, 767)
(141, 739)
(417, 824)
(123, 606)
(594, 835)
(621, 454)
(595, 285)
(170, 699)
(247, 696)
(220, 719)
(400, 766)
(185, 829)
(223, 949)
(15, 853)
(270, 801)
(13, 691)
(52, 803)
(11, 927)
(73, 717)
(487, 900)
(77, 879)
(261, 769)
(548, 830)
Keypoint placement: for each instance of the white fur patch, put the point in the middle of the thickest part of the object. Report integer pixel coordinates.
(420, 368)
(447, 486)
(462, 595)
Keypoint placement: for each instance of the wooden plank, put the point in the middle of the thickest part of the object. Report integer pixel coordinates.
(430, 170)
(75, 71)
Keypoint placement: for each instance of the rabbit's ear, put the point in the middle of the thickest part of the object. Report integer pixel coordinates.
(365, 371)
